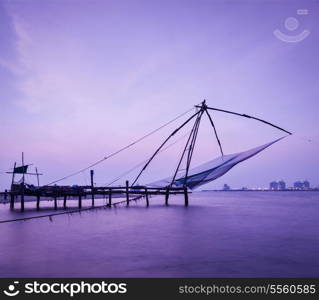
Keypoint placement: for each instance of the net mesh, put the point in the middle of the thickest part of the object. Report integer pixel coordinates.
(210, 170)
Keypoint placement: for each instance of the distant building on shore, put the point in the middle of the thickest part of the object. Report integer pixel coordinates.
(226, 187)
(302, 185)
(273, 185)
(277, 185)
(281, 185)
(306, 184)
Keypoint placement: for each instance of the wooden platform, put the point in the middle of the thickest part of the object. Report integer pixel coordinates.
(90, 193)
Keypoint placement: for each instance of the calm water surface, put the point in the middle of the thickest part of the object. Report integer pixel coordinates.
(221, 234)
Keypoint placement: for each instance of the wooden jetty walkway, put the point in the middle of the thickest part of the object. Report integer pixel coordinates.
(90, 192)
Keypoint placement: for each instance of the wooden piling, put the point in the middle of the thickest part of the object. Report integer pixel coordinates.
(5, 194)
(110, 197)
(55, 203)
(22, 192)
(80, 201)
(127, 193)
(11, 200)
(22, 198)
(38, 201)
(186, 196)
(92, 186)
(64, 201)
(146, 197)
(11, 192)
(166, 196)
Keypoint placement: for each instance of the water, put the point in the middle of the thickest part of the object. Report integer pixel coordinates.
(221, 234)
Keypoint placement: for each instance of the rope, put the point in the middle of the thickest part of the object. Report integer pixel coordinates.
(120, 150)
(144, 161)
(67, 212)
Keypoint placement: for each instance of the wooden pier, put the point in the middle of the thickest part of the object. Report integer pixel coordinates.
(90, 193)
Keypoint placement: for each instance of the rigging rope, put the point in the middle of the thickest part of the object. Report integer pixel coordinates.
(68, 211)
(144, 161)
(120, 150)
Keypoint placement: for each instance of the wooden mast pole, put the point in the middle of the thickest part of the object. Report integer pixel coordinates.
(92, 185)
(11, 190)
(13, 173)
(189, 157)
(38, 179)
(190, 147)
(38, 192)
(22, 192)
(190, 152)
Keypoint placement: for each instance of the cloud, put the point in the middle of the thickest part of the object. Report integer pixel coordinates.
(60, 73)
(11, 66)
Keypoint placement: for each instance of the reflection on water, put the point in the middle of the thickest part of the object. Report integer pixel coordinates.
(221, 234)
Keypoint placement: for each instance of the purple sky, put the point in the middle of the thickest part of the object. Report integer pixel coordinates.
(80, 79)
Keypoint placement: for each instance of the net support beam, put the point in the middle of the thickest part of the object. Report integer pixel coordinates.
(215, 131)
(186, 147)
(247, 116)
(162, 145)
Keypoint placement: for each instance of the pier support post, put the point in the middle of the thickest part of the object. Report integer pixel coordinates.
(64, 202)
(55, 203)
(186, 196)
(11, 200)
(22, 192)
(110, 197)
(38, 201)
(92, 186)
(80, 201)
(22, 199)
(11, 193)
(146, 197)
(5, 194)
(166, 196)
(127, 193)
